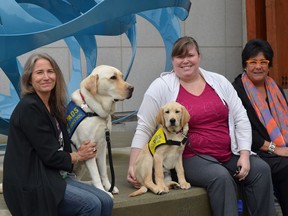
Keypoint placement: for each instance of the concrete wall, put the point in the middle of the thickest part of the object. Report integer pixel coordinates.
(217, 25)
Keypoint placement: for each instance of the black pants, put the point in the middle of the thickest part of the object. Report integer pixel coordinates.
(279, 170)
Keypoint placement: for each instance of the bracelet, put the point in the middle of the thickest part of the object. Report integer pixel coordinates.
(271, 148)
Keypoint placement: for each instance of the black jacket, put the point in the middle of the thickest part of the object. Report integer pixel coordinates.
(32, 184)
(259, 132)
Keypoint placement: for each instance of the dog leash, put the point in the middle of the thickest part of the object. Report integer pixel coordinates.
(107, 135)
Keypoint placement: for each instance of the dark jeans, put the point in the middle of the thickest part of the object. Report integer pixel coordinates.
(84, 200)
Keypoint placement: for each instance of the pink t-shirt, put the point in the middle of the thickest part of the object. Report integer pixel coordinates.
(208, 127)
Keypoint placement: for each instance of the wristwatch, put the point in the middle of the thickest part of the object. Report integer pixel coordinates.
(271, 148)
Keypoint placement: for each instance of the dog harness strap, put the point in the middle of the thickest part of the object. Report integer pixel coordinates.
(173, 142)
(90, 114)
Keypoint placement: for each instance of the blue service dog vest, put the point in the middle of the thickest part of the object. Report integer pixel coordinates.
(74, 115)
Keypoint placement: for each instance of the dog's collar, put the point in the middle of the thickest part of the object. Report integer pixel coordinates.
(85, 105)
(177, 132)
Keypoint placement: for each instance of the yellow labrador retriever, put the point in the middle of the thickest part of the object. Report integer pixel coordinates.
(97, 96)
(164, 152)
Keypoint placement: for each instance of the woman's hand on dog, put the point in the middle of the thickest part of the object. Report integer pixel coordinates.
(131, 174)
(86, 151)
(132, 179)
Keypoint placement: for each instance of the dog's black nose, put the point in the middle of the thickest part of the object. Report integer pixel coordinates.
(130, 89)
(172, 121)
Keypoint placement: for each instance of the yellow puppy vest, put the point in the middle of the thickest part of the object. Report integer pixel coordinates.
(159, 138)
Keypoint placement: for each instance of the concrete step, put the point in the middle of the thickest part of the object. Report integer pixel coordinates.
(177, 202)
(192, 202)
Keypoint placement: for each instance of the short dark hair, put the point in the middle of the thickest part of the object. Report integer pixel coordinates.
(254, 47)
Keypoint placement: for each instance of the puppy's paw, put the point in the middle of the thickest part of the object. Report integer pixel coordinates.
(161, 192)
(164, 188)
(175, 186)
(185, 185)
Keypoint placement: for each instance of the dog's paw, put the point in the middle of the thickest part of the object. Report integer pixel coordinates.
(185, 185)
(173, 185)
(115, 190)
(161, 192)
(162, 189)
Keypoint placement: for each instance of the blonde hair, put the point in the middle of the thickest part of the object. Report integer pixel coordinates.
(58, 97)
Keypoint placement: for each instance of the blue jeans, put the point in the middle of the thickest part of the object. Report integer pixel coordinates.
(84, 200)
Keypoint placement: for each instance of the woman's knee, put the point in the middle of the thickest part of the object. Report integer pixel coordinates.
(260, 166)
(92, 206)
(108, 202)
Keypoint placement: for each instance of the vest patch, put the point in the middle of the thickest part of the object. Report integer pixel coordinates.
(158, 139)
(74, 115)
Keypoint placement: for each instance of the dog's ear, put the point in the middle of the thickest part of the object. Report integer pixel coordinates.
(160, 117)
(90, 83)
(185, 116)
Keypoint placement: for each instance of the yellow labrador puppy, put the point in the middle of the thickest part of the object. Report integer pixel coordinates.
(96, 98)
(164, 152)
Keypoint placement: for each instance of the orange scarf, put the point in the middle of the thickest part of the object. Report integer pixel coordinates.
(274, 119)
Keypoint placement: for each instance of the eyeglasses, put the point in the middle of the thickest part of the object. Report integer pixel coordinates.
(253, 62)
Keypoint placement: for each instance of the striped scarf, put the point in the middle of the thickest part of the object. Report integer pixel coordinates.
(274, 119)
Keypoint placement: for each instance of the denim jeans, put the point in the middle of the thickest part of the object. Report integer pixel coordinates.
(84, 200)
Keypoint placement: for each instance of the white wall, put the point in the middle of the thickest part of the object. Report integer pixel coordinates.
(217, 25)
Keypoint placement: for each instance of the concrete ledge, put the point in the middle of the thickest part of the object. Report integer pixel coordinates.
(177, 202)
(192, 202)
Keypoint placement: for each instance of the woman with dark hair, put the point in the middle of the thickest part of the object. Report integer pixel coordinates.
(219, 136)
(267, 110)
(38, 158)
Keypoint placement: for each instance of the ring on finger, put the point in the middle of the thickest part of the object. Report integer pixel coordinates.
(94, 149)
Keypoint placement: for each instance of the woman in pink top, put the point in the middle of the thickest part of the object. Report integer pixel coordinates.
(218, 155)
